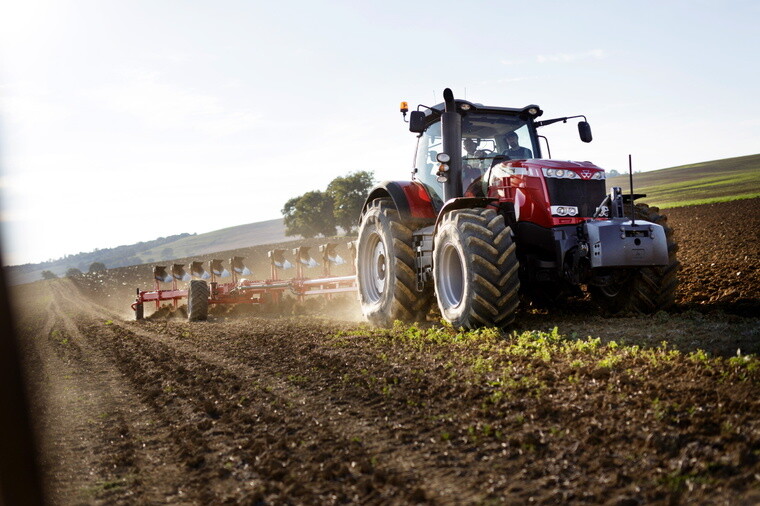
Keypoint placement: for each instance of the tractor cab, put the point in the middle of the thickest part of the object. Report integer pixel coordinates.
(486, 139)
(459, 141)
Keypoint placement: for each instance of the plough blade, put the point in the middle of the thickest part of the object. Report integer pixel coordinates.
(303, 256)
(197, 270)
(329, 254)
(351, 245)
(237, 265)
(178, 272)
(160, 274)
(277, 257)
(216, 267)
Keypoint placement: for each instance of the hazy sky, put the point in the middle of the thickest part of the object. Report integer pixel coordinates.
(123, 121)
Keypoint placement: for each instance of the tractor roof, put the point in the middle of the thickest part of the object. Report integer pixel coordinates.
(529, 111)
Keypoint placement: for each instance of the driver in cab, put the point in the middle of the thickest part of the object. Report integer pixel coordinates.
(514, 151)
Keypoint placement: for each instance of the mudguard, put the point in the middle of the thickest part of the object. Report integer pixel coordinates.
(412, 200)
(464, 203)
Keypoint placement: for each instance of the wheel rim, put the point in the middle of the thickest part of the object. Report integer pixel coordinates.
(610, 291)
(374, 268)
(451, 278)
(613, 289)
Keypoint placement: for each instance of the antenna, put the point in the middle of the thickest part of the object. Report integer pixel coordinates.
(630, 181)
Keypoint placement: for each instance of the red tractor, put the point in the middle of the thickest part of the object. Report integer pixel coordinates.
(486, 222)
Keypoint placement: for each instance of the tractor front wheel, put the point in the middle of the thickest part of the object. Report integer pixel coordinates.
(385, 267)
(475, 268)
(197, 300)
(645, 290)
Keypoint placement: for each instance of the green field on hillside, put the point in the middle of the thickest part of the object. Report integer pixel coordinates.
(698, 183)
(241, 236)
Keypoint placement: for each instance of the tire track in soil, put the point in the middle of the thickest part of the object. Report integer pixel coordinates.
(360, 436)
(364, 423)
(406, 439)
(125, 457)
(283, 434)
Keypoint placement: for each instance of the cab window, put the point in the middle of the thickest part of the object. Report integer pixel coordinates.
(426, 166)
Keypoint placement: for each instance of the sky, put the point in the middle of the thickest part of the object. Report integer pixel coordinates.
(126, 121)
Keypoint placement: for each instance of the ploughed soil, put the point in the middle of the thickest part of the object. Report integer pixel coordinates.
(312, 406)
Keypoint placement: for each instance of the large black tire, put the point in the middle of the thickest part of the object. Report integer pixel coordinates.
(139, 312)
(646, 290)
(197, 300)
(385, 268)
(475, 269)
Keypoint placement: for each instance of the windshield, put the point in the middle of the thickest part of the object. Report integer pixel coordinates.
(486, 138)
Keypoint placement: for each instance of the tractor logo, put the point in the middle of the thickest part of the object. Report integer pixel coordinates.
(586, 174)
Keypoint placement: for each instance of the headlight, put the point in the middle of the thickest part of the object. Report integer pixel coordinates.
(560, 173)
(564, 211)
(599, 175)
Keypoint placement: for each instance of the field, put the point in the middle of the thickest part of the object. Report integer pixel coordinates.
(312, 406)
(698, 183)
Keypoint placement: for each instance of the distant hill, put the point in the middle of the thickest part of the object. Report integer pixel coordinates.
(241, 236)
(164, 248)
(697, 183)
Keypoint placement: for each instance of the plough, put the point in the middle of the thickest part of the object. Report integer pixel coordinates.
(201, 294)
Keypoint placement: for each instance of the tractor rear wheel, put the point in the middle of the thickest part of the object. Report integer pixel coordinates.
(197, 300)
(645, 290)
(475, 268)
(385, 267)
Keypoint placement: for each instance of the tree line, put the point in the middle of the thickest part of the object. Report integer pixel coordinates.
(322, 212)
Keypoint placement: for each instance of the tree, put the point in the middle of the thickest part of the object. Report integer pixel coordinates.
(73, 272)
(49, 275)
(613, 173)
(348, 194)
(96, 266)
(309, 215)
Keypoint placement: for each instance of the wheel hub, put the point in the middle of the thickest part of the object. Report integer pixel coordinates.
(373, 268)
(451, 280)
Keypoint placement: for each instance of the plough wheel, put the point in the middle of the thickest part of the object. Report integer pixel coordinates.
(197, 300)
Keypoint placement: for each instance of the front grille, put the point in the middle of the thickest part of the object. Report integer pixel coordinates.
(586, 195)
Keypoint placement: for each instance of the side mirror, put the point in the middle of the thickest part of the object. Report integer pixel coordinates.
(417, 121)
(584, 130)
